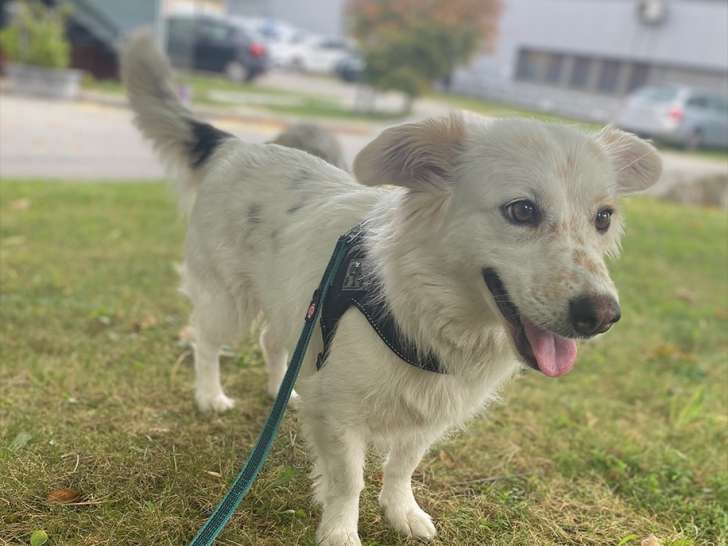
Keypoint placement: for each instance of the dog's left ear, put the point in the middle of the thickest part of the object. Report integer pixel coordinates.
(419, 156)
(636, 162)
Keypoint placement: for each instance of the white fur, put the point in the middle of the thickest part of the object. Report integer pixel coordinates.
(264, 225)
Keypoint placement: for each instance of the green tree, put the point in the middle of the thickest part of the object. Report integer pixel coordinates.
(409, 44)
(36, 36)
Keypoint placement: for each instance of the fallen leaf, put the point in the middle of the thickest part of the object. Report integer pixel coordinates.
(651, 541)
(63, 496)
(20, 204)
(721, 314)
(38, 538)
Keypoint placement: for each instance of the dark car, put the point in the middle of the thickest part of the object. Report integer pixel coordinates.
(350, 68)
(212, 44)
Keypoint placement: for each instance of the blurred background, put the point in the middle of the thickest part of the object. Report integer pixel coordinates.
(99, 440)
(654, 67)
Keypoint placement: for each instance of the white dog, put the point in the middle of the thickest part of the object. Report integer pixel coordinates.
(487, 238)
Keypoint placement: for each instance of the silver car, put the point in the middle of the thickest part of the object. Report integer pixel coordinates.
(678, 115)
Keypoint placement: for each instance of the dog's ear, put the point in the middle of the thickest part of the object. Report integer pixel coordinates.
(636, 162)
(418, 156)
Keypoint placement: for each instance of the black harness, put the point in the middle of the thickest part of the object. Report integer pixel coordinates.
(356, 285)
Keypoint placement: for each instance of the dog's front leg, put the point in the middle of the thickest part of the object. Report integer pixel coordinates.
(340, 453)
(396, 498)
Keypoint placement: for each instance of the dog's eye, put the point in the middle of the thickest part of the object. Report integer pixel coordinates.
(603, 219)
(523, 212)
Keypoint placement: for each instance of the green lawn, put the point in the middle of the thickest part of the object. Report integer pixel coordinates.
(211, 90)
(95, 396)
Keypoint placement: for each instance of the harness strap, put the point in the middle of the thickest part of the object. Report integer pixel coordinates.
(357, 285)
(244, 480)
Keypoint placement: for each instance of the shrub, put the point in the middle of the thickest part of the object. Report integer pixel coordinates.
(36, 36)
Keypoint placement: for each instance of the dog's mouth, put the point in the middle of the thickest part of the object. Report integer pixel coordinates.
(550, 353)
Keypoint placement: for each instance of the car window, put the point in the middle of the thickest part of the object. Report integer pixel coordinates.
(215, 32)
(719, 104)
(180, 28)
(657, 94)
(698, 101)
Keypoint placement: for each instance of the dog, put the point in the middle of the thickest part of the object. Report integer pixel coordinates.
(315, 140)
(488, 239)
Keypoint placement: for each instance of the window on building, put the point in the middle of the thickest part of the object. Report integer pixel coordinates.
(526, 68)
(580, 72)
(554, 68)
(532, 65)
(638, 76)
(609, 76)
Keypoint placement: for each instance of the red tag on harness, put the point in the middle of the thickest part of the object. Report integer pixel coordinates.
(311, 310)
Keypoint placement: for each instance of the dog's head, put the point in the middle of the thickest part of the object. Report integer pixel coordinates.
(527, 213)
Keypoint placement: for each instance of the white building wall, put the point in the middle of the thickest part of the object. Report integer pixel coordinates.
(690, 44)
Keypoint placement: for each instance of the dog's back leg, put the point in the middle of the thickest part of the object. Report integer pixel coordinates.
(215, 321)
(276, 358)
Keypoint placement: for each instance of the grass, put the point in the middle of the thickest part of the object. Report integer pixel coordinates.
(497, 109)
(96, 397)
(211, 90)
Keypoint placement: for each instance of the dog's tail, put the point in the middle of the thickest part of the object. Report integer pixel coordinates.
(183, 142)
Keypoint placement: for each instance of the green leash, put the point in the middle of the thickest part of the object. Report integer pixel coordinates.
(245, 478)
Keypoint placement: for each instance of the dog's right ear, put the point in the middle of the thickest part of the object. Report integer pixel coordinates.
(419, 156)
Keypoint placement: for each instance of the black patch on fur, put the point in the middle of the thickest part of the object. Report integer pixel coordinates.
(206, 139)
(254, 214)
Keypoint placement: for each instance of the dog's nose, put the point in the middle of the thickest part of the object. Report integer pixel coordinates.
(594, 314)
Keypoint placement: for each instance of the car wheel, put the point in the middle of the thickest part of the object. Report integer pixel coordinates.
(694, 140)
(236, 72)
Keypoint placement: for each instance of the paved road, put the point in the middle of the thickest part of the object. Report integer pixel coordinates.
(84, 140)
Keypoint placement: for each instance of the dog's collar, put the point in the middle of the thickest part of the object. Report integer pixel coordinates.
(357, 285)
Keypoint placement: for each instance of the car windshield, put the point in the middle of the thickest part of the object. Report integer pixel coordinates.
(657, 94)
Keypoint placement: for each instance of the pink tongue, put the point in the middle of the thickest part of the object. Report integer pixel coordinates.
(555, 355)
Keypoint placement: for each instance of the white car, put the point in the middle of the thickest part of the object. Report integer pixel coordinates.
(319, 54)
(282, 40)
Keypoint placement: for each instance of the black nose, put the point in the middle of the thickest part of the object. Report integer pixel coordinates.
(592, 315)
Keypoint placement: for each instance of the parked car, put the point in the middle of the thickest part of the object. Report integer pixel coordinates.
(213, 44)
(350, 68)
(319, 54)
(281, 39)
(679, 115)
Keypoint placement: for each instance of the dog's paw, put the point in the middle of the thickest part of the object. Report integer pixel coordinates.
(339, 536)
(411, 521)
(293, 401)
(218, 403)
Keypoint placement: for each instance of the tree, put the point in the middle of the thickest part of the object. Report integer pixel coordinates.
(36, 35)
(408, 44)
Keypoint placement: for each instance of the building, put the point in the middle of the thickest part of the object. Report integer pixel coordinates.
(579, 57)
